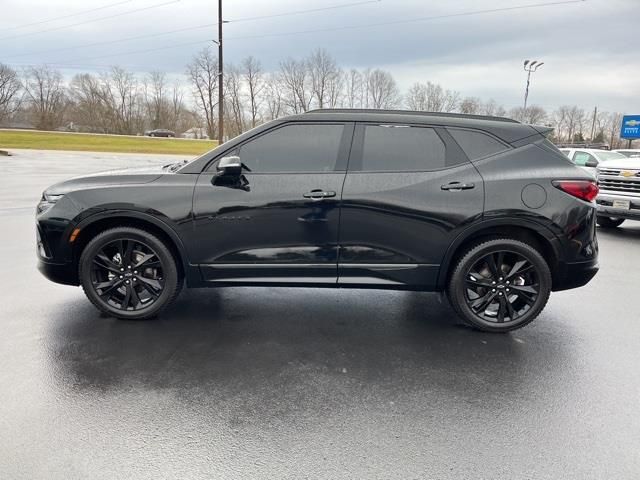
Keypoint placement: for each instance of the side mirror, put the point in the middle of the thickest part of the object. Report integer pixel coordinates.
(591, 163)
(229, 166)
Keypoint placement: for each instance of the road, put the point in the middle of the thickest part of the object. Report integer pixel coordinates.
(307, 383)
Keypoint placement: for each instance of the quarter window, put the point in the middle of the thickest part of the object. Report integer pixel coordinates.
(294, 148)
(402, 148)
(476, 144)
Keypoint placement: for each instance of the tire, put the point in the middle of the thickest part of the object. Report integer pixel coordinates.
(609, 222)
(512, 304)
(129, 273)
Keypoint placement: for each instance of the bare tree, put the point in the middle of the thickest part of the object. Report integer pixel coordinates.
(325, 78)
(353, 89)
(533, 115)
(431, 97)
(274, 97)
(10, 88)
(382, 90)
(203, 75)
(295, 82)
(254, 80)
(234, 113)
(47, 98)
(416, 98)
(90, 109)
(156, 100)
(470, 105)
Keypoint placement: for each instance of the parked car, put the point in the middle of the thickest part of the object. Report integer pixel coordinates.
(589, 158)
(619, 197)
(485, 209)
(628, 152)
(160, 132)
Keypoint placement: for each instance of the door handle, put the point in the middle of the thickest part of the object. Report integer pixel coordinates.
(457, 186)
(319, 194)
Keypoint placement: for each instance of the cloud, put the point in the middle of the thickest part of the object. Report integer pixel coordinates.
(588, 56)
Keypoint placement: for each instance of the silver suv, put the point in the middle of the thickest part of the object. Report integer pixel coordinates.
(619, 197)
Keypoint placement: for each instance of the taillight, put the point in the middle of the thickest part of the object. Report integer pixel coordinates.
(586, 190)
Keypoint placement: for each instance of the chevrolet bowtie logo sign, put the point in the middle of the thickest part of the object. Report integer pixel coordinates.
(632, 123)
(629, 173)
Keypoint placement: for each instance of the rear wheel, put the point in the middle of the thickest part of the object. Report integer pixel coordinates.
(499, 285)
(609, 222)
(129, 273)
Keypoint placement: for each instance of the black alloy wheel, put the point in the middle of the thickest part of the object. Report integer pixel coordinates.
(129, 273)
(500, 285)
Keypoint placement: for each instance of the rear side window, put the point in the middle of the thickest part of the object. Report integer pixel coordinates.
(477, 144)
(402, 148)
(294, 148)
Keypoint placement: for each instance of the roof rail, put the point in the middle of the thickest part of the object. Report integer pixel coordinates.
(412, 112)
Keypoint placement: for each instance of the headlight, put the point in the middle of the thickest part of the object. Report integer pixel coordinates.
(47, 202)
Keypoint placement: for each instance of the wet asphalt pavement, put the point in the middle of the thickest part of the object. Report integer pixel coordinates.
(307, 383)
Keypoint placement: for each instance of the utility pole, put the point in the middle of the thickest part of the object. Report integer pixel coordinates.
(593, 124)
(529, 67)
(220, 78)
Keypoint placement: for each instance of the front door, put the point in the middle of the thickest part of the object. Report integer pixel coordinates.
(280, 225)
(408, 193)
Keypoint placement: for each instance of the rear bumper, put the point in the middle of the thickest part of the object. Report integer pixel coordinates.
(63, 273)
(574, 275)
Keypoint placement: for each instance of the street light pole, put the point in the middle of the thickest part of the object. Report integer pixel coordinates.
(220, 78)
(530, 67)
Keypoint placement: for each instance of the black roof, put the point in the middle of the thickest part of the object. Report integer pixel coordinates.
(412, 112)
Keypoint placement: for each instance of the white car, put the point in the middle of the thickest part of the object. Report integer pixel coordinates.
(589, 158)
(619, 196)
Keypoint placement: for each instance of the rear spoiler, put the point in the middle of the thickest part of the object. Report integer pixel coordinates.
(542, 129)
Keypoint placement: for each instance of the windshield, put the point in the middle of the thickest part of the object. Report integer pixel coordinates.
(604, 155)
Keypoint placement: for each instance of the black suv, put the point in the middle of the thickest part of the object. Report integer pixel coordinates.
(484, 208)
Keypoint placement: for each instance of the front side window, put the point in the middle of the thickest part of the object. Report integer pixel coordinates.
(476, 144)
(402, 148)
(581, 158)
(294, 148)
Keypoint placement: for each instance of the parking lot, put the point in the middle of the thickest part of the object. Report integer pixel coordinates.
(307, 383)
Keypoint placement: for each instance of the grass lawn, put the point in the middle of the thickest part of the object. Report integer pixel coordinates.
(101, 143)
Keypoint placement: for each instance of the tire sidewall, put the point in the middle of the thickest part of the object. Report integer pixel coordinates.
(170, 271)
(457, 289)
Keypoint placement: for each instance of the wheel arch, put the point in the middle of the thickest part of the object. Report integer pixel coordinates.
(96, 223)
(527, 231)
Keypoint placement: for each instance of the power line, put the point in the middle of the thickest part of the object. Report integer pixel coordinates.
(109, 42)
(299, 12)
(77, 14)
(128, 12)
(346, 27)
(412, 20)
(207, 25)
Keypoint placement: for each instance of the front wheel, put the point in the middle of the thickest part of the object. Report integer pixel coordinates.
(129, 273)
(499, 285)
(609, 222)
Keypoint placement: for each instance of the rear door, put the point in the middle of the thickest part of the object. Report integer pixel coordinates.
(409, 190)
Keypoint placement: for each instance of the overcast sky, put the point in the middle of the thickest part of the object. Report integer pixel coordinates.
(589, 47)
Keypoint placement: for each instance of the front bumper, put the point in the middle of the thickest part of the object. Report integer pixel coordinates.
(63, 273)
(605, 200)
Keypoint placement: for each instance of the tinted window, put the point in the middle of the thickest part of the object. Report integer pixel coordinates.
(581, 158)
(476, 144)
(294, 148)
(402, 148)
